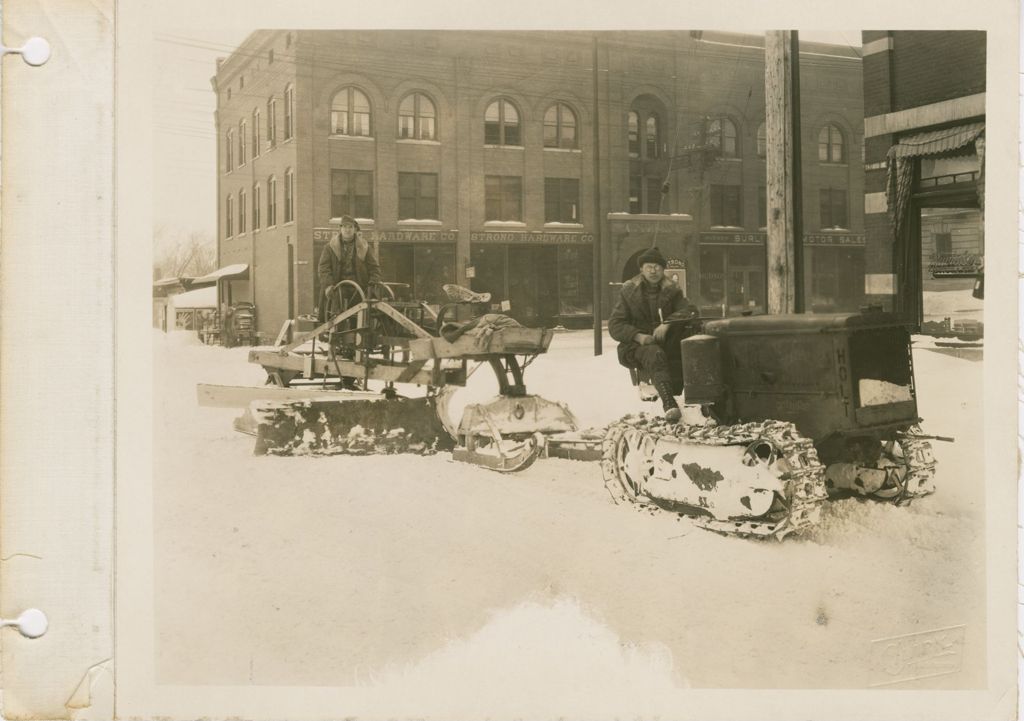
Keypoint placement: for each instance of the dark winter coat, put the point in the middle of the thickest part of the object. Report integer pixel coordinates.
(331, 268)
(632, 314)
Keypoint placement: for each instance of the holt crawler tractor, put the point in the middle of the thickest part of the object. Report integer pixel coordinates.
(794, 409)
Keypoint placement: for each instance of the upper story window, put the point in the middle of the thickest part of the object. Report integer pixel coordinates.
(289, 195)
(229, 152)
(560, 127)
(726, 206)
(501, 124)
(831, 145)
(256, 133)
(272, 122)
(503, 197)
(229, 215)
(561, 200)
(256, 200)
(644, 128)
(352, 193)
(350, 113)
(417, 196)
(241, 141)
(833, 208)
(241, 211)
(721, 134)
(762, 141)
(417, 118)
(270, 57)
(271, 201)
(289, 112)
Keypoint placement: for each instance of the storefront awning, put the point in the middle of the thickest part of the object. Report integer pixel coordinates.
(199, 298)
(935, 142)
(229, 272)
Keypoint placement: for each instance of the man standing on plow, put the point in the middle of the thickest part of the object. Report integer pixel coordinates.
(348, 256)
(643, 322)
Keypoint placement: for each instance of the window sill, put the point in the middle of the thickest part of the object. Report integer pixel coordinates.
(505, 147)
(417, 221)
(726, 227)
(417, 141)
(834, 229)
(504, 224)
(560, 224)
(731, 159)
(357, 138)
(831, 164)
(562, 150)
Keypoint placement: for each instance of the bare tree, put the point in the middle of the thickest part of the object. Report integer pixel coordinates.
(178, 253)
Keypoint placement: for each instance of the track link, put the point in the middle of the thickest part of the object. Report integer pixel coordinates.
(803, 483)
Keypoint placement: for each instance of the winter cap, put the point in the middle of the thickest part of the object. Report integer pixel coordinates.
(651, 255)
(348, 219)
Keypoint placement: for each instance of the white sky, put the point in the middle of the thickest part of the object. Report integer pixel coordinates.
(185, 165)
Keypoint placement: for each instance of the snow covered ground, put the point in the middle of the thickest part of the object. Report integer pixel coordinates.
(424, 578)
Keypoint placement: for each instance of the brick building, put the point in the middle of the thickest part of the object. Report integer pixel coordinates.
(924, 129)
(470, 157)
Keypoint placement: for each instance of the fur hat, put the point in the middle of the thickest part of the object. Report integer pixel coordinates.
(651, 255)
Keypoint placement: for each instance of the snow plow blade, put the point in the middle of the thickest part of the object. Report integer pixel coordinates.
(354, 427)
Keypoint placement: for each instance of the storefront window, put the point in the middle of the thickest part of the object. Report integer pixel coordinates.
(423, 268)
(575, 280)
(836, 279)
(732, 280)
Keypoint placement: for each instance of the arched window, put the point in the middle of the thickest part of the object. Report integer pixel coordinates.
(272, 122)
(256, 133)
(633, 133)
(560, 127)
(501, 123)
(830, 145)
(241, 142)
(350, 113)
(229, 152)
(271, 201)
(417, 118)
(762, 141)
(289, 196)
(721, 133)
(652, 137)
(289, 112)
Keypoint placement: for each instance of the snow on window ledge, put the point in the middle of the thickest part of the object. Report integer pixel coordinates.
(835, 229)
(417, 141)
(558, 224)
(361, 221)
(417, 221)
(505, 224)
(561, 150)
(341, 136)
(727, 227)
(506, 147)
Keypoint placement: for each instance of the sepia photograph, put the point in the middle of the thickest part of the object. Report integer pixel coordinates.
(509, 361)
(514, 363)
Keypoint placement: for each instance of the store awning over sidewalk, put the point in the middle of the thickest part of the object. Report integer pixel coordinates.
(936, 142)
(198, 298)
(238, 271)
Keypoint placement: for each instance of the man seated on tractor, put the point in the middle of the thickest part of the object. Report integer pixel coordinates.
(348, 256)
(648, 307)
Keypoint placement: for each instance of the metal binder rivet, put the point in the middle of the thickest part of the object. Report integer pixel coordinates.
(35, 51)
(31, 623)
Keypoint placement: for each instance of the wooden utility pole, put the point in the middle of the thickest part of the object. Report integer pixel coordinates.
(599, 217)
(782, 130)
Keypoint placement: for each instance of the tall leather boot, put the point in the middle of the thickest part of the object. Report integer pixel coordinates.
(668, 401)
